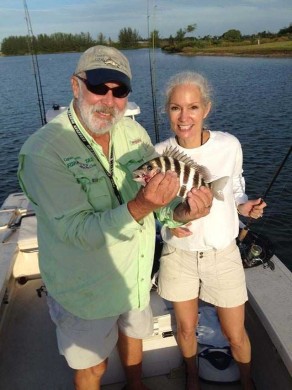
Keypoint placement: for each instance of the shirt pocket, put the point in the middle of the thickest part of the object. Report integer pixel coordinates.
(136, 157)
(97, 188)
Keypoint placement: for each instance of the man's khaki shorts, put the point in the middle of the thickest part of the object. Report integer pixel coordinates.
(215, 276)
(86, 343)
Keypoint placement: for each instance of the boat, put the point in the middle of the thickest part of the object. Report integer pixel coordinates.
(29, 358)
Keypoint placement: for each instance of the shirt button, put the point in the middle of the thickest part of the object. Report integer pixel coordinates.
(142, 280)
(201, 255)
(142, 256)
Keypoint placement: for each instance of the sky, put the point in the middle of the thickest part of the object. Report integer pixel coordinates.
(212, 17)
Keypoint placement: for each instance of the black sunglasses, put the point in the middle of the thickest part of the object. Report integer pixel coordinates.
(121, 91)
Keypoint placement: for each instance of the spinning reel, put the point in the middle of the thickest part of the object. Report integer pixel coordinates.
(255, 250)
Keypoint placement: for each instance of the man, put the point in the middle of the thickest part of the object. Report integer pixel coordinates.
(96, 229)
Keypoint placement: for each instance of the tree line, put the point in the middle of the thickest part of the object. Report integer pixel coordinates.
(62, 42)
(128, 38)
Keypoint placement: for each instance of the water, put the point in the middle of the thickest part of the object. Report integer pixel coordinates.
(252, 100)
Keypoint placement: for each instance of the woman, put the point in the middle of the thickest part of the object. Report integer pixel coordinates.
(201, 259)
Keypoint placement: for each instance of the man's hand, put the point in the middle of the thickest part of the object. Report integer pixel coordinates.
(158, 192)
(197, 205)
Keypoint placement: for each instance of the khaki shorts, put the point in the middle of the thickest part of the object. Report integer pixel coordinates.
(86, 343)
(215, 276)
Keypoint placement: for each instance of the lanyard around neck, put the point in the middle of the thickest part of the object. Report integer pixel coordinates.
(89, 147)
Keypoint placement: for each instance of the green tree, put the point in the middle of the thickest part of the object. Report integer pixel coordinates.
(180, 34)
(154, 38)
(101, 39)
(171, 40)
(14, 45)
(285, 30)
(44, 43)
(232, 35)
(129, 38)
(191, 27)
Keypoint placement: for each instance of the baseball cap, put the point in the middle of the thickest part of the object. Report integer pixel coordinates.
(103, 64)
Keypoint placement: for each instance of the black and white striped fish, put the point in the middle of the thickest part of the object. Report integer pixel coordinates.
(189, 172)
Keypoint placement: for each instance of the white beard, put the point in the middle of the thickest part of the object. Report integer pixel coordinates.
(95, 125)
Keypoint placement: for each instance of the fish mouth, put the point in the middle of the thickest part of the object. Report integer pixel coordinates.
(141, 177)
(138, 176)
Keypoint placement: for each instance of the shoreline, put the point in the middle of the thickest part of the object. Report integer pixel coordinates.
(225, 54)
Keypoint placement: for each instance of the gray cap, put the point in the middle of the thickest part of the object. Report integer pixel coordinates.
(103, 64)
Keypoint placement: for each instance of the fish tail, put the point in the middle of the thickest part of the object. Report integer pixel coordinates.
(217, 187)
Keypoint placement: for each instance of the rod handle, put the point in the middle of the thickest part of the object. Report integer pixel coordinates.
(243, 234)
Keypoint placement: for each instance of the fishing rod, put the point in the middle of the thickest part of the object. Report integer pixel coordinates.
(246, 228)
(30, 43)
(152, 76)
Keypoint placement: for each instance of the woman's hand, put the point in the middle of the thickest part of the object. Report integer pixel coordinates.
(181, 231)
(252, 208)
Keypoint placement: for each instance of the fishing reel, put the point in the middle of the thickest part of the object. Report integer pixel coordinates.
(256, 249)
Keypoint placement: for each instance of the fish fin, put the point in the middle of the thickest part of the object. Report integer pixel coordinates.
(217, 187)
(173, 152)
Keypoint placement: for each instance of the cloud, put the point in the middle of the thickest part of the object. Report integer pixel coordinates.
(167, 16)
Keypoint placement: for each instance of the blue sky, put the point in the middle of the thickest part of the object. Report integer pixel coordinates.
(212, 17)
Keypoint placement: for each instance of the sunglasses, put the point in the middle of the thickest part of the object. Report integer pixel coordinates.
(121, 91)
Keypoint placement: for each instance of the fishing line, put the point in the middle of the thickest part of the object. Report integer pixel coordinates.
(36, 71)
(152, 74)
(245, 230)
(269, 215)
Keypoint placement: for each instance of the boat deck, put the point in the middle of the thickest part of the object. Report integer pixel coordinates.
(29, 357)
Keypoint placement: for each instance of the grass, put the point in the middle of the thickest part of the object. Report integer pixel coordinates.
(283, 48)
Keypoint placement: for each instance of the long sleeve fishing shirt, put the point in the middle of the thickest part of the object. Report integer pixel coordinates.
(95, 259)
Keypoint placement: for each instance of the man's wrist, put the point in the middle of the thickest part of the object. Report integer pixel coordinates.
(137, 209)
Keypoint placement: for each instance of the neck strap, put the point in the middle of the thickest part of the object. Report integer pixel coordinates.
(89, 147)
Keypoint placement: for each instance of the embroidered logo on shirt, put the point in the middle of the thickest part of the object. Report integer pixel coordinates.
(136, 141)
(88, 163)
(85, 166)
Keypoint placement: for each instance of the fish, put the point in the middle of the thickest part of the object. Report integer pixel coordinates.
(191, 175)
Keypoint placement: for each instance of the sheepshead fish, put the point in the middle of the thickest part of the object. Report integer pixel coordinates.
(189, 172)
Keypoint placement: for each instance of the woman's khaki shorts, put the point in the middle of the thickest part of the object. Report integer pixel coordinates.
(86, 343)
(215, 276)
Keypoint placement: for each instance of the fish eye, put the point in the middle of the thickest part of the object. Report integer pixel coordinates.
(149, 168)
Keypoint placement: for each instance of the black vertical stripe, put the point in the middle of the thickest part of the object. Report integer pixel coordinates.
(182, 191)
(167, 162)
(186, 174)
(196, 180)
(176, 166)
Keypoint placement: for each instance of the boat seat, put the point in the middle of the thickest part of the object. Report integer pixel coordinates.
(8, 253)
(26, 264)
(28, 234)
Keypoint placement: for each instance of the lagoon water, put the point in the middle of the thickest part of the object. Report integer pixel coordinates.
(252, 100)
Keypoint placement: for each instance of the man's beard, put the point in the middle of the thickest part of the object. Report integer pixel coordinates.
(98, 126)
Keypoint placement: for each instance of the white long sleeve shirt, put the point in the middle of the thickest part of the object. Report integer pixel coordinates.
(222, 155)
